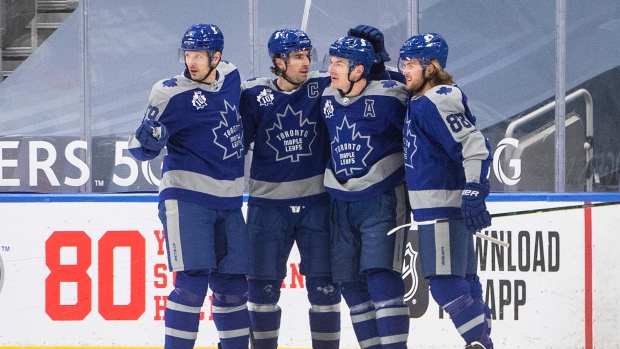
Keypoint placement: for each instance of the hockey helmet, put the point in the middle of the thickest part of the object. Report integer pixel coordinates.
(424, 48)
(356, 50)
(202, 37)
(285, 41)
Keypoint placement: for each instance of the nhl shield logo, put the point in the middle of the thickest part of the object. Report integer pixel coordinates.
(265, 97)
(416, 286)
(199, 101)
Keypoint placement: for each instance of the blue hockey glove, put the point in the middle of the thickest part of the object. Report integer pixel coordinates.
(152, 135)
(473, 207)
(375, 36)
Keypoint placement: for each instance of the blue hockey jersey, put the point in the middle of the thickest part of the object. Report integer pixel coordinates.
(205, 159)
(366, 140)
(290, 139)
(443, 151)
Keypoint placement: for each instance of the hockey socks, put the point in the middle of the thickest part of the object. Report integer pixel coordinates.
(325, 326)
(469, 319)
(182, 315)
(363, 317)
(265, 319)
(476, 295)
(230, 309)
(453, 294)
(233, 325)
(387, 290)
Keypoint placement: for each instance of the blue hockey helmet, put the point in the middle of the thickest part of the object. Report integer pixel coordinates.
(285, 41)
(356, 50)
(424, 48)
(202, 37)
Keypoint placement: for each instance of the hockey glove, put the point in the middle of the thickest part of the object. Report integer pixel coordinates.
(152, 135)
(473, 207)
(375, 36)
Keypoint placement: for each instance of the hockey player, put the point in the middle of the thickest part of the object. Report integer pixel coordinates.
(447, 160)
(195, 115)
(365, 177)
(287, 201)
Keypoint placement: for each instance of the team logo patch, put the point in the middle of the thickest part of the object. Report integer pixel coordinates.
(328, 109)
(265, 97)
(199, 101)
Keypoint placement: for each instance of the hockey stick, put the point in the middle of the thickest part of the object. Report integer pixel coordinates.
(514, 213)
(478, 234)
(550, 209)
(304, 20)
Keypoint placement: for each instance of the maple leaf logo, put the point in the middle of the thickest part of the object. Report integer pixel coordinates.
(170, 82)
(409, 145)
(350, 149)
(229, 133)
(444, 90)
(291, 136)
(388, 83)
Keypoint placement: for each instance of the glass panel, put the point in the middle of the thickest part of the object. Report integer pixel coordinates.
(593, 65)
(502, 55)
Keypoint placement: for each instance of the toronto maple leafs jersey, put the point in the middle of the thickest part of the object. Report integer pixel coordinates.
(291, 146)
(365, 133)
(443, 151)
(204, 163)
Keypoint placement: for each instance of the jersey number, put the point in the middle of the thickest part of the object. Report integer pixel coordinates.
(457, 122)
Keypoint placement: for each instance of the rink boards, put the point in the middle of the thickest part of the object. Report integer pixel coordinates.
(90, 271)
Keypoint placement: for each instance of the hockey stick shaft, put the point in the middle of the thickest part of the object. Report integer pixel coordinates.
(515, 213)
(478, 234)
(549, 209)
(304, 20)
(492, 239)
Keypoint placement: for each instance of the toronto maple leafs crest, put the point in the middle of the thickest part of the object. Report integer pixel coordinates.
(291, 135)
(265, 97)
(349, 149)
(409, 144)
(328, 109)
(229, 133)
(199, 100)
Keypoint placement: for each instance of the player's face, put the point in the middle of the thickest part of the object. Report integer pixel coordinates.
(298, 66)
(339, 72)
(412, 69)
(198, 64)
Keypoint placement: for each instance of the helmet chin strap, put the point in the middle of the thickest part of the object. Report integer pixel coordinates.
(351, 83)
(285, 77)
(208, 73)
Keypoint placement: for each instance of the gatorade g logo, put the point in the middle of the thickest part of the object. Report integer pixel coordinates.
(416, 286)
(514, 163)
